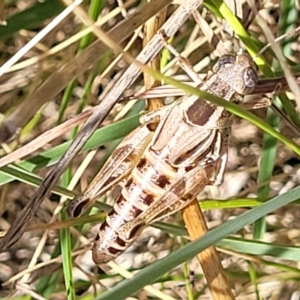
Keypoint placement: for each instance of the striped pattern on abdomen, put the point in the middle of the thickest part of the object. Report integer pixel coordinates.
(147, 183)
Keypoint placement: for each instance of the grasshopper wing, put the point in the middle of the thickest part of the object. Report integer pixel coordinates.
(118, 166)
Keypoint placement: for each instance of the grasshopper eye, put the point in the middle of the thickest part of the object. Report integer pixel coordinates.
(250, 79)
(223, 61)
(226, 59)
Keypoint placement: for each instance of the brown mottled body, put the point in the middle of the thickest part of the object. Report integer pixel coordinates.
(165, 169)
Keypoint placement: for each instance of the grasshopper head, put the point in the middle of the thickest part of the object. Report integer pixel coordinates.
(239, 71)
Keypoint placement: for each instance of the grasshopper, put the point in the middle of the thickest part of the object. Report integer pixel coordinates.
(167, 161)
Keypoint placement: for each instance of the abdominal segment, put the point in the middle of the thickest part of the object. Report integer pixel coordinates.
(144, 186)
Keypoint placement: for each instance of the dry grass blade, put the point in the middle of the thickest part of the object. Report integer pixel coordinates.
(264, 86)
(268, 85)
(38, 37)
(74, 68)
(45, 138)
(290, 77)
(153, 47)
(54, 84)
(2, 14)
(164, 260)
(150, 29)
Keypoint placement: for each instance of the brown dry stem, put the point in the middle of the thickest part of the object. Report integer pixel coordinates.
(150, 29)
(209, 258)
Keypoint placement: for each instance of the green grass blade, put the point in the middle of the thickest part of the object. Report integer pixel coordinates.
(50, 157)
(233, 108)
(151, 273)
(266, 171)
(259, 248)
(31, 17)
